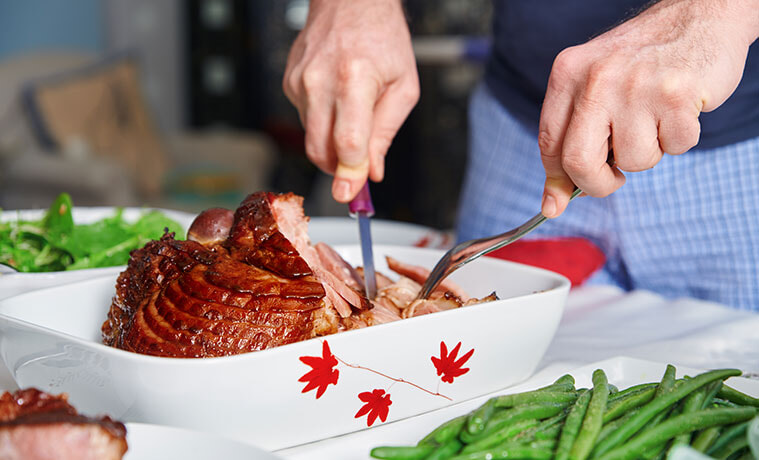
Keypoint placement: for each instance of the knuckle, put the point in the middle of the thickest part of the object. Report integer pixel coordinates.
(290, 86)
(313, 79)
(598, 81)
(671, 92)
(410, 94)
(603, 191)
(347, 141)
(681, 139)
(348, 69)
(546, 143)
(575, 164)
(566, 67)
(566, 64)
(313, 152)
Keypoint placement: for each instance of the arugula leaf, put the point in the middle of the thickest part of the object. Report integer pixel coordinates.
(58, 219)
(55, 243)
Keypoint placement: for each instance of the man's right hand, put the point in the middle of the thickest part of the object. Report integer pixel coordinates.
(352, 76)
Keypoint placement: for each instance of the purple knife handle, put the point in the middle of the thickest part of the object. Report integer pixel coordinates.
(362, 203)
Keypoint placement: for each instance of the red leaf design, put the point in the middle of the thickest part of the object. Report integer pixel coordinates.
(448, 366)
(322, 371)
(376, 404)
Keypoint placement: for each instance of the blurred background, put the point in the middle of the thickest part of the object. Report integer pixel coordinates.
(178, 104)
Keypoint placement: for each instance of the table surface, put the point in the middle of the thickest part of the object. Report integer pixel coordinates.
(601, 322)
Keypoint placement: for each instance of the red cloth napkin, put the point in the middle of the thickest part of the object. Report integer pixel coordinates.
(574, 257)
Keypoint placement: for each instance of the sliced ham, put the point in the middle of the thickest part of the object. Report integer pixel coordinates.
(38, 426)
(420, 275)
(250, 282)
(288, 212)
(335, 264)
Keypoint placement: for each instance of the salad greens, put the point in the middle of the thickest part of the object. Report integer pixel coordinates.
(56, 243)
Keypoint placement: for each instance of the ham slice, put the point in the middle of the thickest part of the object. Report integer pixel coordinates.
(420, 275)
(38, 426)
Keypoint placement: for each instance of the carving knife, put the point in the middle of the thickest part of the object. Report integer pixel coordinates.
(362, 209)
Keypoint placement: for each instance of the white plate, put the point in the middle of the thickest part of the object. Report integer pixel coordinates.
(154, 442)
(17, 283)
(622, 372)
(50, 339)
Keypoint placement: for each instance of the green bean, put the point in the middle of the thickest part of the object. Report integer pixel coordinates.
(667, 381)
(649, 411)
(515, 414)
(706, 438)
(665, 386)
(536, 396)
(566, 378)
(549, 433)
(677, 425)
(554, 387)
(711, 391)
(500, 436)
(610, 427)
(572, 425)
(539, 450)
(446, 451)
(481, 416)
(692, 403)
(654, 451)
(732, 447)
(632, 390)
(725, 403)
(445, 432)
(747, 455)
(553, 421)
(733, 395)
(545, 430)
(727, 436)
(402, 452)
(593, 420)
(621, 406)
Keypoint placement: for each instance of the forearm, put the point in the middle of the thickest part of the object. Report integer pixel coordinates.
(743, 14)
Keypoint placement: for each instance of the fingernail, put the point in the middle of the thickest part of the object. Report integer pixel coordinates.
(549, 206)
(341, 190)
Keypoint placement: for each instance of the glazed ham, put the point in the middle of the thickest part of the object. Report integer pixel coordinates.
(38, 426)
(251, 280)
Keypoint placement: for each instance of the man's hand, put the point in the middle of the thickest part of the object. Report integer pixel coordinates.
(638, 89)
(352, 76)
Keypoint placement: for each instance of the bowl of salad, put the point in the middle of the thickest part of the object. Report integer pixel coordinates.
(61, 244)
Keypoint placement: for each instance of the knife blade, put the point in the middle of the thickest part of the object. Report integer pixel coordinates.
(362, 209)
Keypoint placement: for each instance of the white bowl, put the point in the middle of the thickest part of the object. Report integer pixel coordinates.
(17, 283)
(50, 339)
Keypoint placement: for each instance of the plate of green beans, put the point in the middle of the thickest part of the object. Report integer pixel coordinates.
(680, 413)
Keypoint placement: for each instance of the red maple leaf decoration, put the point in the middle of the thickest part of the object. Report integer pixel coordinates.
(322, 371)
(376, 404)
(448, 366)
